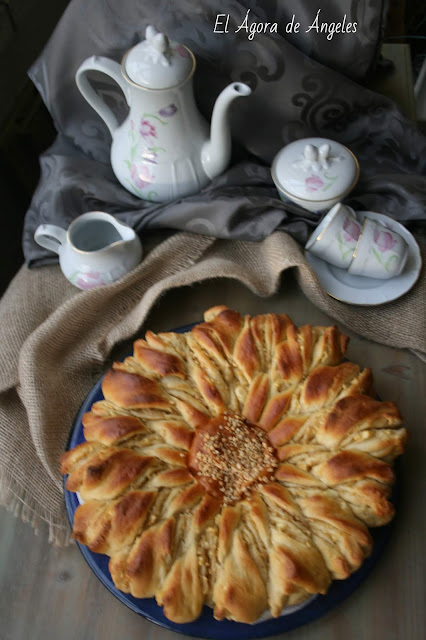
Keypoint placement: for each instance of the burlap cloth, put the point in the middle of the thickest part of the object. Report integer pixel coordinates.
(55, 341)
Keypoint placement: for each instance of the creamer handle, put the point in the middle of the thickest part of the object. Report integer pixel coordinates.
(50, 237)
(111, 69)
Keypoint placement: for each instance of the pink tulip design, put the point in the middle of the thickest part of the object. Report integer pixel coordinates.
(90, 280)
(147, 130)
(313, 183)
(351, 230)
(140, 175)
(168, 111)
(384, 240)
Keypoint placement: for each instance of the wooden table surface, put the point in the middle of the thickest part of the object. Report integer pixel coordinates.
(50, 593)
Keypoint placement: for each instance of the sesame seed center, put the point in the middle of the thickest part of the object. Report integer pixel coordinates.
(229, 455)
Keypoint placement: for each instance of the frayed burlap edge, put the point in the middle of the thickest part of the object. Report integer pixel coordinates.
(18, 500)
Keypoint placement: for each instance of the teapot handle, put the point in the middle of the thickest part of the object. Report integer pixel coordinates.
(111, 69)
(50, 237)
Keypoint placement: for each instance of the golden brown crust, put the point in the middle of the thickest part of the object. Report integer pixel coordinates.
(149, 559)
(353, 465)
(110, 429)
(107, 527)
(238, 465)
(159, 362)
(132, 391)
(325, 383)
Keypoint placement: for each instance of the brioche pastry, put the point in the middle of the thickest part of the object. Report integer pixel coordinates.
(238, 465)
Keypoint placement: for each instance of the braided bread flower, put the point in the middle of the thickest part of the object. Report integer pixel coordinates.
(237, 465)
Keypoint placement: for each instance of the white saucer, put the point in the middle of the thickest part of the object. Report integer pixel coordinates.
(345, 287)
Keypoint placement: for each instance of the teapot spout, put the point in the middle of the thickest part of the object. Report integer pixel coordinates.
(216, 152)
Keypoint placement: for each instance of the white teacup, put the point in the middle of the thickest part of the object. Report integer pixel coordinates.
(335, 238)
(380, 252)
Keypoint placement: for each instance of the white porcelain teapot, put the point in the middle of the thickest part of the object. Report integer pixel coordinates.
(162, 150)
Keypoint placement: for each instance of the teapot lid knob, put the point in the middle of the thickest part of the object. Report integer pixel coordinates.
(161, 44)
(157, 62)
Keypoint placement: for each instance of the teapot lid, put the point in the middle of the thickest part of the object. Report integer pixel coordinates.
(157, 62)
(315, 169)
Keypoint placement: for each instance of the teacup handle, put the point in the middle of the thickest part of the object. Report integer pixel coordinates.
(50, 237)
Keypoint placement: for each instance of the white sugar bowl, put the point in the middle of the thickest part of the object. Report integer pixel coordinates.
(315, 173)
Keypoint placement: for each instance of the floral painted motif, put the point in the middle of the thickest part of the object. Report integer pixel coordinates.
(141, 154)
(383, 250)
(168, 111)
(384, 240)
(348, 237)
(141, 176)
(313, 183)
(351, 230)
(87, 280)
(147, 130)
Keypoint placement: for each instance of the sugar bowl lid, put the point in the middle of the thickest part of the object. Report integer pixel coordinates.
(157, 62)
(315, 169)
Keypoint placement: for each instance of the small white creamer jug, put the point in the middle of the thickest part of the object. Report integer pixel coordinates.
(94, 251)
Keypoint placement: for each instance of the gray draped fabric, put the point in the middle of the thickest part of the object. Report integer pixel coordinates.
(301, 85)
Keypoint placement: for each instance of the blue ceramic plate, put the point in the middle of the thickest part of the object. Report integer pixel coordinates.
(206, 626)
